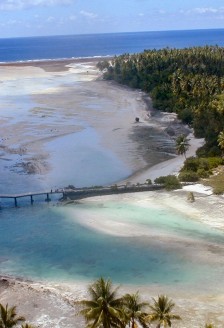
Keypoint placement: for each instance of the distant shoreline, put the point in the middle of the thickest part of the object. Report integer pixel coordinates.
(60, 47)
(56, 64)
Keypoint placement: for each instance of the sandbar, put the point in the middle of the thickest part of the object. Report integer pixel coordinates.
(51, 304)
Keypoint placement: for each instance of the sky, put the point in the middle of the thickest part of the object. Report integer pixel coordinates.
(19, 18)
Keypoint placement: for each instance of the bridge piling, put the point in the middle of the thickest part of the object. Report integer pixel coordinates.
(80, 193)
(48, 198)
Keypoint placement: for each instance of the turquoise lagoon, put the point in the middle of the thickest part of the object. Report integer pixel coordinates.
(58, 243)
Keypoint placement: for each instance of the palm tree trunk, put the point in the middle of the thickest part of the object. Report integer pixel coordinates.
(132, 323)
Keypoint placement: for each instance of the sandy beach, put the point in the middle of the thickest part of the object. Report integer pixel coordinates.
(146, 148)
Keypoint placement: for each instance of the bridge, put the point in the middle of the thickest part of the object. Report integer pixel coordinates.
(31, 195)
(80, 193)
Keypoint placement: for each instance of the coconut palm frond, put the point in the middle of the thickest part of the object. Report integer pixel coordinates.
(103, 309)
(134, 309)
(8, 316)
(161, 311)
(182, 145)
(27, 325)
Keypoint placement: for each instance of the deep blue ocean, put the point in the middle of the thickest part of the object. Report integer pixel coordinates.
(110, 44)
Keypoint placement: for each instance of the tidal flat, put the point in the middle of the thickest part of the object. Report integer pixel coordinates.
(60, 125)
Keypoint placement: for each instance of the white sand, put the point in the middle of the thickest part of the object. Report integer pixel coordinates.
(50, 305)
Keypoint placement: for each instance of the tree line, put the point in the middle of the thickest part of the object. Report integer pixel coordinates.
(189, 82)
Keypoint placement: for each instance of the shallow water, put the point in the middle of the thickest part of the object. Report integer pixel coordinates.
(58, 243)
(86, 163)
(77, 158)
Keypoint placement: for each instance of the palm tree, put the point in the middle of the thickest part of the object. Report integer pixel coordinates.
(103, 309)
(161, 312)
(133, 308)
(182, 144)
(8, 316)
(221, 140)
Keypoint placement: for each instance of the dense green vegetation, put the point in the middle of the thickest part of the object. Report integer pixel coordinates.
(170, 182)
(196, 168)
(189, 82)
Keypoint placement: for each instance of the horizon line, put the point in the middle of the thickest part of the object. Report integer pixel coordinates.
(121, 32)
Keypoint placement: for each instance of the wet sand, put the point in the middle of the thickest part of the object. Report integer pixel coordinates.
(51, 304)
(45, 101)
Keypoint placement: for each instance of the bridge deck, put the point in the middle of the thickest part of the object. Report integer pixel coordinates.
(30, 194)
(79, 193)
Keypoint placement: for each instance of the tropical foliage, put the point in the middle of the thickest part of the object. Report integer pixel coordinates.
(134, 310)
(195, 168)
(170, 182)
(189, 82)
(8, 316)
(162, 312)
(221, 140)
(182, 145)
(104, 309)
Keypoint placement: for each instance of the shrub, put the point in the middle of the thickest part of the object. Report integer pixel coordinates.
(214, 162)
(203, 164)
(160, 180)
(188, 176)
(170, 182)
(214, 151)
(200, 165)
(114, 187)
(191, 164)
(206, 151)
(203, 173)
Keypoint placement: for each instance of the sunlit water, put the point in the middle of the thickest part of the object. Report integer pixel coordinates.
(51, 242)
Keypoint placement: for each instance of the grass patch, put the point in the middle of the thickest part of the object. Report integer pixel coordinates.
(216, 181)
